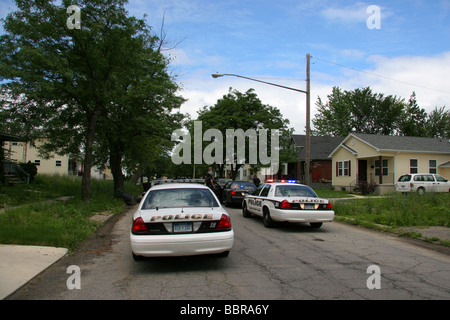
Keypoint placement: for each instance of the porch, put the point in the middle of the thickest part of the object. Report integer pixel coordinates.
(376, 174)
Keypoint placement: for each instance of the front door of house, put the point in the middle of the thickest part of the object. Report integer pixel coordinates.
(362, 170)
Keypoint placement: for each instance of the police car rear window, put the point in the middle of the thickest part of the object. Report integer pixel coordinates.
(294, 191)
(179, 198)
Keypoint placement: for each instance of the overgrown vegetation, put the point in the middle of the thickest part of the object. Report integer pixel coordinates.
(60, 223)
(398, 210)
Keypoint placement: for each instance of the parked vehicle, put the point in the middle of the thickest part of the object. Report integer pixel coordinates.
(235, 191)
(180, 219)
(422, 182)
(287, 202)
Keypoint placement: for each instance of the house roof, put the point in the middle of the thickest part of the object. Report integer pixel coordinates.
(321, 147)
(401, 143)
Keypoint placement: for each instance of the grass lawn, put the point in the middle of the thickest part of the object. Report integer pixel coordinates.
(398, 210)
(60, 224)
(394, 212)
(329, 193)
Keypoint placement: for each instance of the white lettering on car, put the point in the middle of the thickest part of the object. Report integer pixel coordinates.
(196, 216)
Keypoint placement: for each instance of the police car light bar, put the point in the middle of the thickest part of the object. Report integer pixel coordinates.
(282, 181)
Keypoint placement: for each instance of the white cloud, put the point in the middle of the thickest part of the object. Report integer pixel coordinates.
(427, 76)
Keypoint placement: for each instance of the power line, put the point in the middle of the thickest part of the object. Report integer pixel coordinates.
(381, 76)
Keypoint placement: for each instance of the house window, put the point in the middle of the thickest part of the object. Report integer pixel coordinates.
(58, 163)
(343, 168)
(385, 168)
(37, 162)
(413, 166)
(433, 166)
(346, 168)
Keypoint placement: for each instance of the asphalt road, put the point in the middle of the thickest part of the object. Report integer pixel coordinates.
(292, 261)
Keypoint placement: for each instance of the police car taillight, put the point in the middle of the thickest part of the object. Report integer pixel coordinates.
(329, 206)
(285, 204)
(224, 223)
(139, 226)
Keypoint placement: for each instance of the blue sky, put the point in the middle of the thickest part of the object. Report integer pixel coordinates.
(269, 40)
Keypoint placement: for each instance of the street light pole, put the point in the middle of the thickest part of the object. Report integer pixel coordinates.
(308, 128)
(308, 91)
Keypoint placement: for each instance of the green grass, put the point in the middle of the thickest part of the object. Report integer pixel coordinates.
(398, 210)
(60, 224)
(329, 193)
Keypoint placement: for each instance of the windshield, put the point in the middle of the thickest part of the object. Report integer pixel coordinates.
(243, 186)
(179, 198)
(293, 191)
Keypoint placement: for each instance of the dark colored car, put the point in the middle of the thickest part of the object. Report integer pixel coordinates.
(235, 191)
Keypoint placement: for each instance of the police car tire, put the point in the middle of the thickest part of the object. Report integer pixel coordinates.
(137, 258)
(245, 212)
(315, 225)
(267, 220)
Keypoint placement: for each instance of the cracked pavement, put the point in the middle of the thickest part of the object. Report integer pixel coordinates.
(291, 261)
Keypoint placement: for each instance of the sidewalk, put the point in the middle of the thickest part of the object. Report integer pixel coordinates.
(20, 264)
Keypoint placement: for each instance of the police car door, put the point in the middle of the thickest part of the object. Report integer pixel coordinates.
(252, 202)
(259, 201)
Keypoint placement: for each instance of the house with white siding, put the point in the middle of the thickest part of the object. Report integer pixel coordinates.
(381, 160)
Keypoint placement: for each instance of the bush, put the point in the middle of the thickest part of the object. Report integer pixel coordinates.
(29, 168)
(366, 187)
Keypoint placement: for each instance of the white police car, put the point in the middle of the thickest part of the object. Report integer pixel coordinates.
(180, 219)
(287, 202)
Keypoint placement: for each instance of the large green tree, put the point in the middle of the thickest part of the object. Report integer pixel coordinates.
(237, 110)
(413, 121)
(359, 110)
(80, 87)
(438, 123)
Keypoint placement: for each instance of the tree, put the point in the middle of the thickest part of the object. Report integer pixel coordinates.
(438, 123)
(333, 117)
(413, 121)
(359, 110)
(237, 110)
(71, 84)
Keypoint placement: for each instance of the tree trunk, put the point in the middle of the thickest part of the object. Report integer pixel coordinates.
(115, 161)
(86, 180)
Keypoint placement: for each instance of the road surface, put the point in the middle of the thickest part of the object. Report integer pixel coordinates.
(293, 261)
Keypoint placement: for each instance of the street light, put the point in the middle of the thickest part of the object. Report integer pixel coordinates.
(218, 75)
(308, 91)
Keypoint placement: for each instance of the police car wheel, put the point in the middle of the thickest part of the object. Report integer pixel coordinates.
(137, 258)
(315, 225)
(245, 212)
(267, 220)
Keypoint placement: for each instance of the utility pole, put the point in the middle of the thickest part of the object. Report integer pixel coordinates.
(308, 133)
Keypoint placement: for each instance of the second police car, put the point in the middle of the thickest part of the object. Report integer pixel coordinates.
(287, 202)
